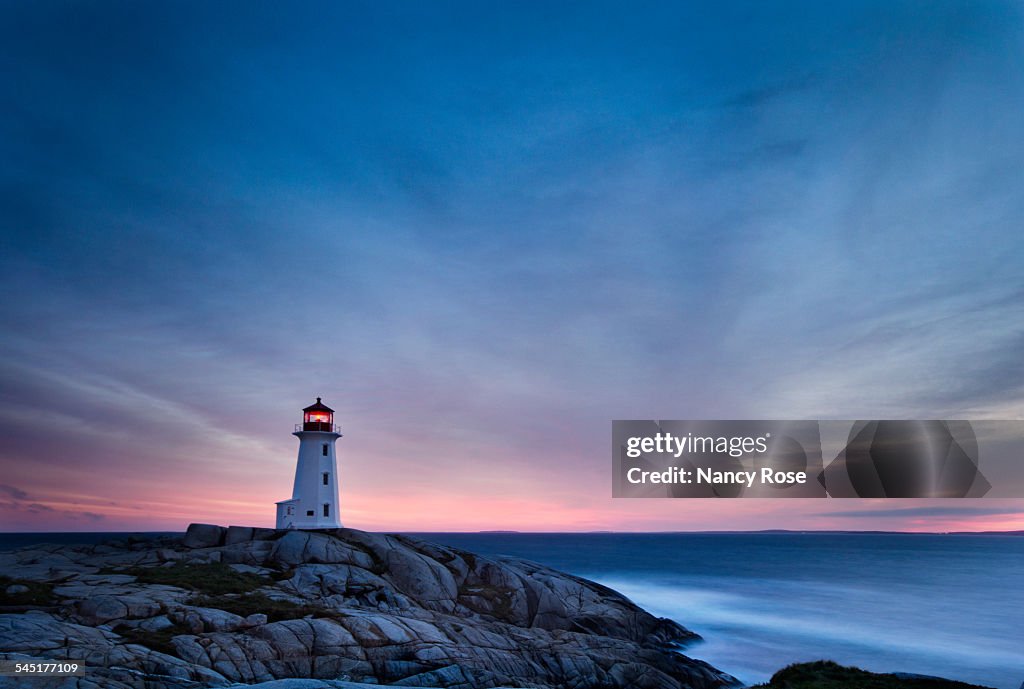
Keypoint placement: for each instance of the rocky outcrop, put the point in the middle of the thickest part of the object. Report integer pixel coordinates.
(825, 673)
(204, 535)
(340, 608)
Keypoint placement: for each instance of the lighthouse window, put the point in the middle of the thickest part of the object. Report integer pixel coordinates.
(326, 478)
(327, 510)
(309, 513)
(325, 449)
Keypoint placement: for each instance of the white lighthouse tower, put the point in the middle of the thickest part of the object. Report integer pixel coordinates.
(314, 501)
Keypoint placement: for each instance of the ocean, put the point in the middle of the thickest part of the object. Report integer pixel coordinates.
(946, 605)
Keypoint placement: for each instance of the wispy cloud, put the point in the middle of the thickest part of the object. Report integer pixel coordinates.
(20, 511)
(13, 492)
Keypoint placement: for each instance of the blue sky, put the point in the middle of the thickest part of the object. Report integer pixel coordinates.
(481, 231)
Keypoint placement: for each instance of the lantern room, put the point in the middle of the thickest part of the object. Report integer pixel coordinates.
(318, 417)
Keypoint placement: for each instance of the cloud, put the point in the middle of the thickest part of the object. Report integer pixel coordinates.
(18, 506)
(21, 514)
(757, 96)
(15, 493)
(37, 507)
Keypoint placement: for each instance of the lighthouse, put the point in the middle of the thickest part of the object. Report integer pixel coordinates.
(314, 501)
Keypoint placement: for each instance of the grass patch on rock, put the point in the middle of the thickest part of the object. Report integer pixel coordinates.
(824, 674)
(159, 641)
(36, 593)
(259, 603)
(215, 578)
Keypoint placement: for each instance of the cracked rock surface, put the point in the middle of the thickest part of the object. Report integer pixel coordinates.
(329, 609)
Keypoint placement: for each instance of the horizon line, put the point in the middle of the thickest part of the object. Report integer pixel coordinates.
(591, 532)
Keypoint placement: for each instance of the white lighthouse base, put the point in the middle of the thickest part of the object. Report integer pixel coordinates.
(286, 513)
(289, 517)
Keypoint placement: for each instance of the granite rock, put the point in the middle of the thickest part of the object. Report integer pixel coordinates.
(336, 609)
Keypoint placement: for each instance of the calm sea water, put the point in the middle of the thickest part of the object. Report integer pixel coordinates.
(932, 604)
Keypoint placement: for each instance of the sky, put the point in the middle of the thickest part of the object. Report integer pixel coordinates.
(482, 231)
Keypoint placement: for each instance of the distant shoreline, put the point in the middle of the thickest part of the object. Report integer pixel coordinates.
(501, 532)
(15, 540)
